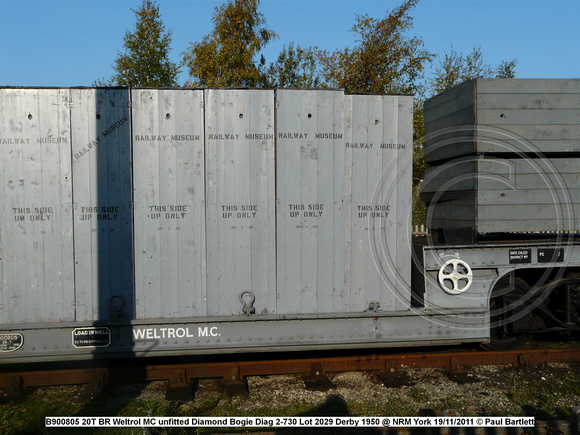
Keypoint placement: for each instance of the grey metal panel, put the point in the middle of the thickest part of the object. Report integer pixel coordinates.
(101, 161)
(240, 213)
(169, 202)
(169, 208)
(234, 335)
(476, 296)
(310, 172)
(377, 201)
(36, 240)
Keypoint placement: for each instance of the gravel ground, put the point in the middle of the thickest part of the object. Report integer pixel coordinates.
(546, 391)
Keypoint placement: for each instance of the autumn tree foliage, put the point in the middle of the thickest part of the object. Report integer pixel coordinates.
(294, 68)
(145, 61)
(384, 60)
(228, 56)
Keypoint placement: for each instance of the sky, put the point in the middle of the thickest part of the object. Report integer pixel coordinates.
(75, 42)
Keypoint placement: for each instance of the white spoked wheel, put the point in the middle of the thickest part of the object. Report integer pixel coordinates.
(455, 276)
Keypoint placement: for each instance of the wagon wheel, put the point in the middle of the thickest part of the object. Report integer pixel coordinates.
(507, 309)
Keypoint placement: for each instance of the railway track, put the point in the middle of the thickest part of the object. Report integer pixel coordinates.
(182, 377)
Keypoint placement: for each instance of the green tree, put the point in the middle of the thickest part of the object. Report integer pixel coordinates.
(384, 60)
(455, 68)
(294, 68)
(227, 57)
(506, 69)
(419, 163)
(145, 61)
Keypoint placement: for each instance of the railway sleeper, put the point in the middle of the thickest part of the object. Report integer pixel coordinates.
(458, 372)
(233, 384)
(393, 376)
(180, 387)
(317, 380)
(14, 388)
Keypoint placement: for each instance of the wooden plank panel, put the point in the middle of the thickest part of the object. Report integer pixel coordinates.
(448, 98)
(524, 181)
(459, 99)
(527, 196)
(527, 225)
(310, 168)
(513, 115)
(377, 201)
(533, 145)
(240, 201)
(438, 121)
(456, 175)
(169, 184)
(536, 101)
(402, 248)
(524, 212)
(527, 86)
(543, 131)
(502, 117)
(101, 147)
(36, 237)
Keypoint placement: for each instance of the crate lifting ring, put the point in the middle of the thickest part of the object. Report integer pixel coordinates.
(456, 275)
(248, 306)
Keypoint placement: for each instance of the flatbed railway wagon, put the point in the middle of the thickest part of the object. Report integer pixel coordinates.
(152, 222)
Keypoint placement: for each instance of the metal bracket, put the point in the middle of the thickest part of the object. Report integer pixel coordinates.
(116, 304)
(248, 307)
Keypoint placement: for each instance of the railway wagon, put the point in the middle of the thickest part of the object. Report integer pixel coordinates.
(150, 222)
(504, 185)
